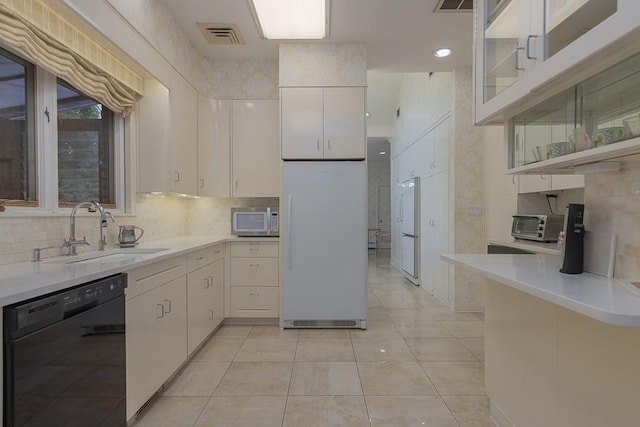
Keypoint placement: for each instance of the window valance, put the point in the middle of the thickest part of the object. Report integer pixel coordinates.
(60, 48)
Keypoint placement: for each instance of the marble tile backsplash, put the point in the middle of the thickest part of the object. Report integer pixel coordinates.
(160, 216)
(612, 205)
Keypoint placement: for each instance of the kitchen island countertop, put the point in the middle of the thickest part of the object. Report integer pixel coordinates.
(22, 281)
(607, 300)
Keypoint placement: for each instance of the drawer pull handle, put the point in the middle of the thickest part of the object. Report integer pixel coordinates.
(254, 294)
(161, 307)
(254, 265)
(254, 249)
(217, 252)
(167, 301)
(210, 314)
(206, 282)
(200, 258)
(210, 280)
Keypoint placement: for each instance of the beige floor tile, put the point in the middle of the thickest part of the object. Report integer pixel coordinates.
(480, 316)
(427, 301)
(373, 302)
(439, 350)
(398, 301)
(197, 378)
(469, 411)
(378, 313)
(409, 411)
(219, 349)
(325, 379)
(394, 379)
(378, 349)
(456, 378)
(465, 329)
(324, 350)
(172, 412)
(323, 411)
(273, 332)
(256, 411)
(426, 329)
(233, 331)
(475, 346)
(376, 328)
(409, 315)
(255, 379)
(324, 333)
(446, 314)
(272, 349)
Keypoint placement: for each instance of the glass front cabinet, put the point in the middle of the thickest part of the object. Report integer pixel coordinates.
(596, 119)
(526, 49)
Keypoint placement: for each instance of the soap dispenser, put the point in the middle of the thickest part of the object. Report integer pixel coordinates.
(573, 254)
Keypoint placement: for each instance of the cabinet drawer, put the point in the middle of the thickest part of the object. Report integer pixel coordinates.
(151, 276)
(215, 253)
(254, 271)
(196, 260)
(254, 249)
(254, 301)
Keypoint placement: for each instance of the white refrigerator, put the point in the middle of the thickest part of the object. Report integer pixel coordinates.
(323, 236)
(410, 218)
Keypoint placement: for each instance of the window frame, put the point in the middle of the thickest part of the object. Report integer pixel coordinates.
(45, 132)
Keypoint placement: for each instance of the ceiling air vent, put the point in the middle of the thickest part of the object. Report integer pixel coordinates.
(221, 33)
(454, 6)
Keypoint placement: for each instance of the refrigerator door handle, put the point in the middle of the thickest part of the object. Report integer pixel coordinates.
(289, 221)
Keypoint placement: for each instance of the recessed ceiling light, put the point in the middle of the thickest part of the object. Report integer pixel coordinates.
(383, 152)
(441, 53)
(368, 114)
(291, 19)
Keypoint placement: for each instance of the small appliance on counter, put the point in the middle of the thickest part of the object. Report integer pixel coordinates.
(539, 228)
(255, 222)
(573, 248)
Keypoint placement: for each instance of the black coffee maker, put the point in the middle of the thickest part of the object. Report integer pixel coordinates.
(573, 254)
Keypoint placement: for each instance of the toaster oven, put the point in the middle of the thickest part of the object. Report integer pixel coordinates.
(540, 228)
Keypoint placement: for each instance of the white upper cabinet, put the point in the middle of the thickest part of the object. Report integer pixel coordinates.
(323, 123)
(529, 49)
(214, 147)
(256, 157)
(167, 120)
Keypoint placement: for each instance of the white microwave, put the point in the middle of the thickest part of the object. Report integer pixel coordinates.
(255, 222)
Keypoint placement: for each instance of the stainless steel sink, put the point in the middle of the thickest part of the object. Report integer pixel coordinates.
(106, 257)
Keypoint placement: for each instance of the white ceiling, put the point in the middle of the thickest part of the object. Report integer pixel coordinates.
(401, 36)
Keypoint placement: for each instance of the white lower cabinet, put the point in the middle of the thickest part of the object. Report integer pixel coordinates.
(205, 291)
(254, 280)
(156, 340)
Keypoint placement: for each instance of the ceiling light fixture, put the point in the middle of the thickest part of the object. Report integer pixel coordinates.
(441, 53)
(368, 114)
(291, 19)
(382, 153)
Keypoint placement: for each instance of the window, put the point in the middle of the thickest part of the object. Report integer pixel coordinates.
(86, 169)
(17, 141)
(85, 157)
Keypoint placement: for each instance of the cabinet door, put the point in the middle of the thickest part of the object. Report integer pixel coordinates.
(203, 302)
(184, 136)
(302, 123)
(154, 128)
(534, 183)
(214, 147)
(424, 155)
(428, 236)
(173, 346)
(256, 162)
(441, 222)
(344, 123)
(156, 340)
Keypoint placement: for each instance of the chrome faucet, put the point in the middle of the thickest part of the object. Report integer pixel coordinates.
(72, 242)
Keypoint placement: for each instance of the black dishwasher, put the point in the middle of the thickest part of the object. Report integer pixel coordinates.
(64, 357)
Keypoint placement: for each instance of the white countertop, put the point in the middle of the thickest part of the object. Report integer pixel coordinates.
(25, 280)
(529, 245)
(607, 300)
